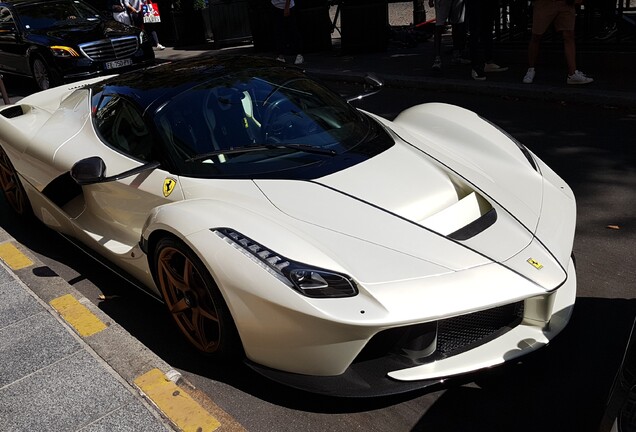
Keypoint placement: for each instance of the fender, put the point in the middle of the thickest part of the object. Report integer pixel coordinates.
(475, 145)
(189, 219)
(485, 156)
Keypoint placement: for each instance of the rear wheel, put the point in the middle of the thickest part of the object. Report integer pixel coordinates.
(12, 189)
(194, 300)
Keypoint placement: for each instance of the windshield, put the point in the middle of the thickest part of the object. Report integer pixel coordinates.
(55, 13)
(244, 125)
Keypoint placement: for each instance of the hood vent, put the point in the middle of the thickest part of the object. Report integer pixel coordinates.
(475, 227)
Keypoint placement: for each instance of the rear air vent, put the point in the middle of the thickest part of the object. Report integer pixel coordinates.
(13, 111)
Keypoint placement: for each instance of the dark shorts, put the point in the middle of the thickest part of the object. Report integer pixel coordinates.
(546, 12)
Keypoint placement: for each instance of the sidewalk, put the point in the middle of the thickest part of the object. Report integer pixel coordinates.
(51, 380)
(67, 366)
(613, 69)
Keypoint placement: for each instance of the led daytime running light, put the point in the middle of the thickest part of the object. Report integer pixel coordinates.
(257, 253)
(307, 280)
(64, 51)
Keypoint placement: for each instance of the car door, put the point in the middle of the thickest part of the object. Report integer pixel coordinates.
(12, 48)
(116, 210)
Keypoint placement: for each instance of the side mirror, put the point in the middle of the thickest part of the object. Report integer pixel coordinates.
(372, 85)
(93, 170)
(88, 171)
(372, 82)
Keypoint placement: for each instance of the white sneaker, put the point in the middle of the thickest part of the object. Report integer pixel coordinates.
(579, 77)
(299, 59)
(494, 67)
(281, 58)
(160, 47)
(529, 77)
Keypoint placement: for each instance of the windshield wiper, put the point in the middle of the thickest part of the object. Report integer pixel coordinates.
(260, 147)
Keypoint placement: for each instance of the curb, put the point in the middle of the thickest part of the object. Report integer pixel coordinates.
(172, 398)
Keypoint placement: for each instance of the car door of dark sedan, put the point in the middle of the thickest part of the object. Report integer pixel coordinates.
(12, 47)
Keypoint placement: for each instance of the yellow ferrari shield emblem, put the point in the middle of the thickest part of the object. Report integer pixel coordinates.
(534, 263)
(168, 186)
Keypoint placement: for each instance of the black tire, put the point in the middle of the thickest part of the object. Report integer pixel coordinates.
(194, 300)
(44, 76)
(14, 193)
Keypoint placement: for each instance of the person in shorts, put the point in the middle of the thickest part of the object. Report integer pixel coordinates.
(561, 14)
(453, 11)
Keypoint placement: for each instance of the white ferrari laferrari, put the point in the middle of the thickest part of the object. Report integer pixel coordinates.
(328, 248)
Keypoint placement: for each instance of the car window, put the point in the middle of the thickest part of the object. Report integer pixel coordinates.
(276, 116)
(55, 13)
(6, 18)
(121, 126)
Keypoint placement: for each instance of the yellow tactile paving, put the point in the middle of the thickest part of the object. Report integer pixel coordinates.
(77, 315)
(175, 403)
(13, 257)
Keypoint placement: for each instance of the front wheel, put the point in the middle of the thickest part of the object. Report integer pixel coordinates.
(12, 189)
(194, 300)
(43, 75)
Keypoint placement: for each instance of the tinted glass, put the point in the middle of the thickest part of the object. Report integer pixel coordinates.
(121, 126)
(55, 13)
(248, 125)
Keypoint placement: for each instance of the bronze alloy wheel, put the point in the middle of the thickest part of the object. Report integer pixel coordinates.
(193, 299)
(13, 191)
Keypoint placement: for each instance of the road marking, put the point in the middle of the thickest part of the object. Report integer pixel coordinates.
(13, 257)
(175, 403)
(77, 315)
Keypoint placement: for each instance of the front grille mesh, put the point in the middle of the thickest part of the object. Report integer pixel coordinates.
(453, 335)
(459, 333)
(110, 49)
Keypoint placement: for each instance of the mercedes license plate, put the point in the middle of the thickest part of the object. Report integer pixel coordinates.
(115, 64)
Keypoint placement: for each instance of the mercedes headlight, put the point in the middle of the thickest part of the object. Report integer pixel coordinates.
(63, 51)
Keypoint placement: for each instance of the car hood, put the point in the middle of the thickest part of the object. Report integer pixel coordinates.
(418, 215)
(83, 31)
(404, 201)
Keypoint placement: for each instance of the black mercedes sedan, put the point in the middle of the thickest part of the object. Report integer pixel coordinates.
(57, 41)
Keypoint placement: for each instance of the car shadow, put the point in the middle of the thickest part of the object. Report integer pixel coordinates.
(562, 387)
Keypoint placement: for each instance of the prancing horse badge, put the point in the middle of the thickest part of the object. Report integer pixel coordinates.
(536, 264)
(168, 186)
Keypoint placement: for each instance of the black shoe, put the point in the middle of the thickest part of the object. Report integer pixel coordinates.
(607, 32)
(478, 74)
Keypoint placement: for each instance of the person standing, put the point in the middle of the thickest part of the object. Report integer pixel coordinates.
(562, 14)
(136, 11)
(287, 33)
(147, 9)
(453, 11)
(607, 12)
(481, 17)
(119, 11)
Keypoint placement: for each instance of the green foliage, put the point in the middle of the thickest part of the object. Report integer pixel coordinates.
(184, 5)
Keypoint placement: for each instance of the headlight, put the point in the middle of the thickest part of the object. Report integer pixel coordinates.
(63, 51)
(521, 147)
(143, 37)
(308, 280)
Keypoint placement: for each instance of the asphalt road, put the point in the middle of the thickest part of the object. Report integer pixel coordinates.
(562, 387)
